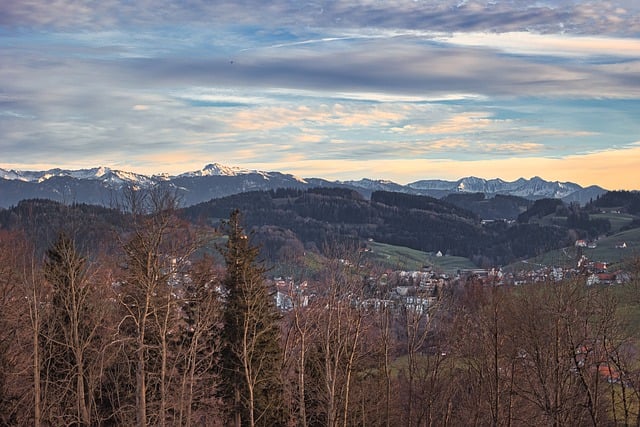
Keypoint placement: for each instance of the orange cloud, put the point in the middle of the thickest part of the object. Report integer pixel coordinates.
(460, 123)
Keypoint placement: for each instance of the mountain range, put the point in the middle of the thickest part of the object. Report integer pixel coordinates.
(103, 186)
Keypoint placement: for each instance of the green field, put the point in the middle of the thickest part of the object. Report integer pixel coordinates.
(617, 220)
(606, 250)
(398, 257)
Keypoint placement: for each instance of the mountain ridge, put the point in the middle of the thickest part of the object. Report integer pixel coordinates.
(214, 180)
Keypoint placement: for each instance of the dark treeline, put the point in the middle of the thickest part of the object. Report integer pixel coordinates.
(424, 223)
(626, 201)
(157, 332)
(497, 207)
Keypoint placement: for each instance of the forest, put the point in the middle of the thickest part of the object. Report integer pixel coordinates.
(143, 323)
(449, 225)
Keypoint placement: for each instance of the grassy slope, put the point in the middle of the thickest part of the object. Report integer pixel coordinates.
(617, 220)
(398, 257)
(605, 251)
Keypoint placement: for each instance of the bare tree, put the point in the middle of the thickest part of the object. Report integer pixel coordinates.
(483, 344)
(20, 401)
(555, 354)
(299, 330)
(337, 346)
(156, 255)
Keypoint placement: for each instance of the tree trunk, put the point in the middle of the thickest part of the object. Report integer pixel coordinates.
(141, 391)
(37, 398)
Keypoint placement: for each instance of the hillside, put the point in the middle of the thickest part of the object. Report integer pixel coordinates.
(490, 208)
(288, 223)
(313, 218)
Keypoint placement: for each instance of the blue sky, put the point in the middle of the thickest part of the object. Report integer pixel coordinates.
(401, 90)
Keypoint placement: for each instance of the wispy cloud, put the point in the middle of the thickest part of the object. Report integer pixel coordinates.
(561, 45)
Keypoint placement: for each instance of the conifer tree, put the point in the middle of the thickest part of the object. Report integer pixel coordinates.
(70, 330)
(251, 356)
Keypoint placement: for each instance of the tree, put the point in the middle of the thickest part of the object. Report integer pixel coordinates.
(70, 335)
(425, 373)
(19, 329)
(251, 356)
(487, 373)
(157, 258)
(337, 349)
(299, 331)
(199, 346)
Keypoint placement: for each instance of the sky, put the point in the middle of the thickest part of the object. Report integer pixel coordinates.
(398, 90)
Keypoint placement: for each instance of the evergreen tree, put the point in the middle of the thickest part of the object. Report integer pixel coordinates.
(251, 355)
(69, 333)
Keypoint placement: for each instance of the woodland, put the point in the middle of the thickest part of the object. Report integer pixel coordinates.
(143, 318)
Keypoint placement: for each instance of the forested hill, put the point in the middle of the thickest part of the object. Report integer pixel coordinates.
(627, 201)
(92, 226)
(288, 222)
(491, 208)
(317, 216)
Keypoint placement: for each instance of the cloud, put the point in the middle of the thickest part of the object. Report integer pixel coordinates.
(277, 117)
(448, 15)
(460, 123)
(355, 80)
(549, 44)
(395, 68)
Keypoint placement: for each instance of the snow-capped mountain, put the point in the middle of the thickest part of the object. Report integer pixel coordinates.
(107, 175)
(103, 185)
(535, 187)
(375, 185)
(216, 169)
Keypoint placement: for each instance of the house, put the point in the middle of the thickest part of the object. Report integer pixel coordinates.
(606, 278)
(600, 265)
(609, 373)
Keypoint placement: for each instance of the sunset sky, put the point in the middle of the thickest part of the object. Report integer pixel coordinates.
(400, 90)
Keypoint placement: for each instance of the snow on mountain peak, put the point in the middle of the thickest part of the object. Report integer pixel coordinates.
(216, 169)
(10, 175)
(535, 187)
(106, 175)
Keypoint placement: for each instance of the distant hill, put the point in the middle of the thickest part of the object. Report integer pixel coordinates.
(490, 208)
(104, 186)
(321, 216)
(91, 226)
(624, 201)
(288, 223)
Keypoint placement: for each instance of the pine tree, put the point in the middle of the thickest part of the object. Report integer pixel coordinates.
(251, 355)
(69, 332)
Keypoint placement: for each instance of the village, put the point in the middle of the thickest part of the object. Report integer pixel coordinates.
(419, 290)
